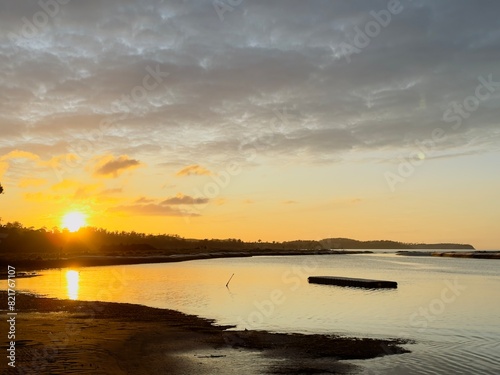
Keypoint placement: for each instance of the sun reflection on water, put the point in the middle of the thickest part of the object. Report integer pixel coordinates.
(72, 278)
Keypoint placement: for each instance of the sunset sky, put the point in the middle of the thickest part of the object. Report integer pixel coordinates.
(254, 119)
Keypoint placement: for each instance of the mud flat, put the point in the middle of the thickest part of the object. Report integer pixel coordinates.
(75, 337)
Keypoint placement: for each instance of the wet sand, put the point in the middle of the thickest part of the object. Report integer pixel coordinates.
(75, 337)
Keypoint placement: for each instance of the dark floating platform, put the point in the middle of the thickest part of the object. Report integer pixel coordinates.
(348, 281)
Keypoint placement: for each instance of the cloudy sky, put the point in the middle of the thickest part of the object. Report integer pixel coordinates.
(254, 119)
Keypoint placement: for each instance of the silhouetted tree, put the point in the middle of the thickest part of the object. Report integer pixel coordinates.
(1, 189)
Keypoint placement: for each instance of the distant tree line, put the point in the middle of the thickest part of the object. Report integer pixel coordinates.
(17, 240)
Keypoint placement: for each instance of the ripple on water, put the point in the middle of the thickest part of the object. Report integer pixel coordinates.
(432, 357)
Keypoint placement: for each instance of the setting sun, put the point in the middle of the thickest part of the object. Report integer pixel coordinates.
(73, 221)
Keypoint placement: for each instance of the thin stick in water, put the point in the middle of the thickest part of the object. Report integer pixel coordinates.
(227, 285)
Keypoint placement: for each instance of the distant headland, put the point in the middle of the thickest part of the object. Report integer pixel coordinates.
(347, 243)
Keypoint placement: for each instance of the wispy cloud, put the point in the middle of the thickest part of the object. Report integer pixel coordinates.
(87, 191)
(184, 199)
(110, 167)
(150, 210)
(144, 200)
(193, 170)
(172, 206)
(19, 154)
(111, 191)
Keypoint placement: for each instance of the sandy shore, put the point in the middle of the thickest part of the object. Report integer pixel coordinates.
(75, 337)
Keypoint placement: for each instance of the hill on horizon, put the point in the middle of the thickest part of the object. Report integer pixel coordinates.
(347, 243)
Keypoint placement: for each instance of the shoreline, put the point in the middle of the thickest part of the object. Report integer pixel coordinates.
(76, 337)
(478, 254)
(25, 265)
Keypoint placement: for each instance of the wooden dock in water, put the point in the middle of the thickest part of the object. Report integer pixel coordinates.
(348, 281)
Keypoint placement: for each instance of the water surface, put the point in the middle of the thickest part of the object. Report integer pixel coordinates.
(449, 306)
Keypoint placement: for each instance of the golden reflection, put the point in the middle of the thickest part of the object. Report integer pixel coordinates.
(72, 278)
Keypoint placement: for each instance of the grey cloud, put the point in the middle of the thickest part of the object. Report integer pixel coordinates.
(227, 79)
(144, 200)
(111, 191)
(116, 166)
(150, 210)
(184, 199)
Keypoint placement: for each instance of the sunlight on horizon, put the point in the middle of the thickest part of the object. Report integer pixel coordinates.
(73, 221)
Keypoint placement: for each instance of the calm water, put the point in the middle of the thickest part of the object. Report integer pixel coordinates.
(449, 306)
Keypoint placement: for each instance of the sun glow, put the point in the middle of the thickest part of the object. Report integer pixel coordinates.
(73, 221)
